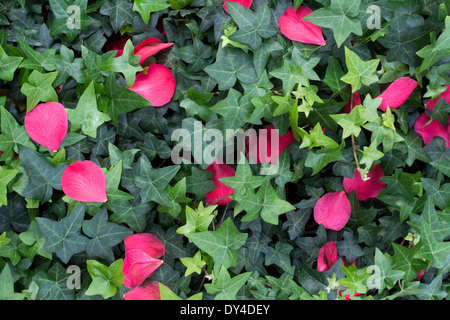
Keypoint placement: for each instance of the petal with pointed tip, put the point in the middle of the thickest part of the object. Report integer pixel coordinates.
(157, 85)
(84, 181)
(294, 28)
(149, 47)
(333, 210)
(138, 266)
(148, 290)
(47, 124)
(397, 93)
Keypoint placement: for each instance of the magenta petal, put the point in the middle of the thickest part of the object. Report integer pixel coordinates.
(220, 195)
(149, 47)
(245, 3)
(148, 290)
(157, 85)
(84, 181)
(327, 256)
(261, 149)
(46, 124)
(430, 104)
(356, 102)
(397, 93)
(294, 28)
(333, 210)
(138, 266)
(366, 189)
(428, 131)
(145, 242)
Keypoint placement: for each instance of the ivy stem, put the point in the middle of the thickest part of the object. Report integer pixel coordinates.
(353, 136)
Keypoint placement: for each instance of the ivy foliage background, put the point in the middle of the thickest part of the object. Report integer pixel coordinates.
(232, 71)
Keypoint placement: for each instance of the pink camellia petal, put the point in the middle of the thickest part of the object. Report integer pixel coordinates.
(430, 104)
(327, 256)
(47, 124)
(366, 189)
(269, 145)
(145, 242)
(245, 3)
(220, 195)
(294, 28)
(157, 85)
(84, 181)
(148, 290)
(428, 131)
(333, 210)
(397, 93)
(149, 47)
(138, 266)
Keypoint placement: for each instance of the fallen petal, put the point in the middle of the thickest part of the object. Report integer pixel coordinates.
(430, 104)
(157, 85)
(145, 242)
(220, 195)
(84, 181)
(150, 47)
(365, 189)
(428, 131)
(245, 3)
(397, 93)
(138, 266)
(47, 124)
(327, 256)
(294, 28)
(269, 145)
(148, 290)
(333, 210)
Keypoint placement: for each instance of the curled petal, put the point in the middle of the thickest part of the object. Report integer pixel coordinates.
(149, 47)
(220, 195)
(84, 181)
(145, 242)
(294, 28)
(333, 210)
(157, 85)
(245, 3)
(428, 131)
(138, 266)
(397, 93)
(148, 290)
(366, 189)
(327, 256)
(47, 124)
(268, 146)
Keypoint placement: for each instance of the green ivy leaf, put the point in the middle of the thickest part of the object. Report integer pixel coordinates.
(146, 7)
(64, 237)
(222, 244)
(39, 89)
(8, 65)
(225, 287)
(341, 17)
(105, 280)
(7, 286)
(359, 71)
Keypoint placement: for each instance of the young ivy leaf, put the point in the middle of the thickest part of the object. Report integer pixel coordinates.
(127, 64)
(105, 280)
(39, 89)
(225, 287)
(86, 115)
(359, 71)
(8, 65)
